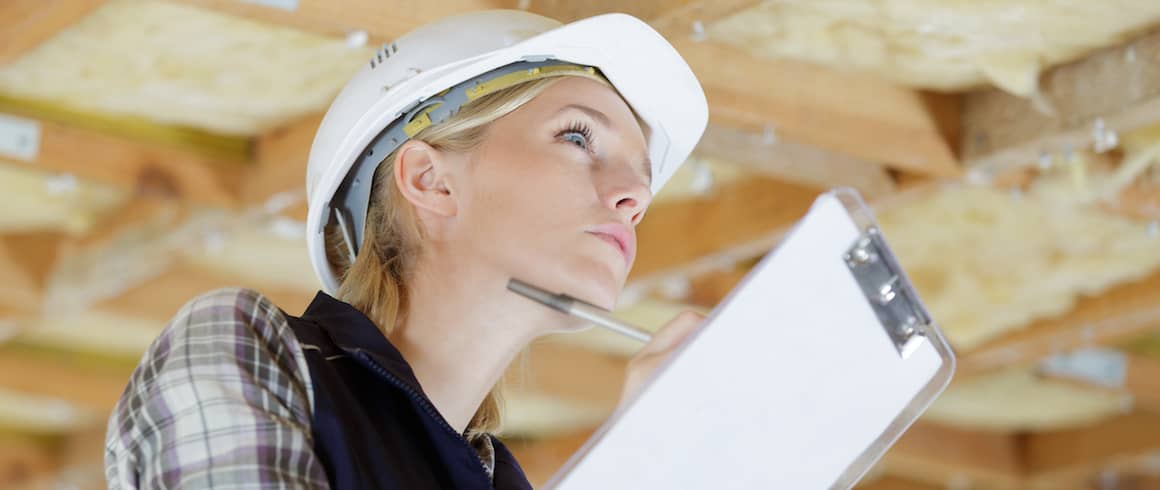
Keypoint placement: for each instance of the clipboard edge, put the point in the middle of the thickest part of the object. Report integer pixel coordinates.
(864, 220)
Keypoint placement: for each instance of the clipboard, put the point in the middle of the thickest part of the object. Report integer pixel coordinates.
(801, 378)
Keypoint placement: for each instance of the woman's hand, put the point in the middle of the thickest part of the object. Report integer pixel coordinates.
(641, 366)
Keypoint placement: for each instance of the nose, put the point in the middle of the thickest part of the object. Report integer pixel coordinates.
(628, 194)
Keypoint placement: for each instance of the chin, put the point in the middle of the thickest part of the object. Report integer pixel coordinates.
(590, 279)
(600, 290)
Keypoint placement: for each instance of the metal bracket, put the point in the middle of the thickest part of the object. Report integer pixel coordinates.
(1098, 366)
(889, 294)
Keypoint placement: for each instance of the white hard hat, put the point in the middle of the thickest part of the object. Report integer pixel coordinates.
(425, 76)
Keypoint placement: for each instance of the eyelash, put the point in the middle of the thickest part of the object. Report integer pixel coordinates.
(580, 128)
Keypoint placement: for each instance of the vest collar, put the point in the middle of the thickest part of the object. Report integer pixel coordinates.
(353, 332)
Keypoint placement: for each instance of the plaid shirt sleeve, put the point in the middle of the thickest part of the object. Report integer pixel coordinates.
(221, 399)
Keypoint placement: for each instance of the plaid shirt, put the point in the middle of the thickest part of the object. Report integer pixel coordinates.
(221, 399)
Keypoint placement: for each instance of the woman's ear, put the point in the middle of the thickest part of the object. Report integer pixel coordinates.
(421, 174)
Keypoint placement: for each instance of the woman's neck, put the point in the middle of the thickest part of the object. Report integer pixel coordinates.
(461, 331)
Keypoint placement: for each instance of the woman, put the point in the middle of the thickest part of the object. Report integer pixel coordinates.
(480, 148)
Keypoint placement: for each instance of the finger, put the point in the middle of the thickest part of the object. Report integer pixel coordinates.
(673, 333)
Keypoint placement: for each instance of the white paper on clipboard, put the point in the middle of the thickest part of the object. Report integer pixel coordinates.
(800, 379)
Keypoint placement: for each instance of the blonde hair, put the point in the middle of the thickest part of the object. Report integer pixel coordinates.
(376, 283)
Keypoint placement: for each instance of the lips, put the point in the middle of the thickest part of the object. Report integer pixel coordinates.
(619, 236)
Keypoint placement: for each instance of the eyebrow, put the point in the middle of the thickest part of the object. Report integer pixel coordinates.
(603, 120)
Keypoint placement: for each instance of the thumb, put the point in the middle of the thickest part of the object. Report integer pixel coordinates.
(672, 333)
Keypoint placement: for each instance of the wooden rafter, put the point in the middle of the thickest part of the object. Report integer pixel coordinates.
(27, 23)
(25, 459)
(895, 483)
(24, 261)
(139, 167)
(935, 454)
(570, 373)
(541, 458)
(1142, 380)
(1077, 454)
(160, 298)
(134, 129)
(794, 163)
(673, 235)
(1118, 86)
(92, 386)
(847, 113)
(280, 163)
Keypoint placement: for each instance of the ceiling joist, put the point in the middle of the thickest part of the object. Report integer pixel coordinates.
(27, 23)
(147, 169)
(1116, 89)
(792, 162)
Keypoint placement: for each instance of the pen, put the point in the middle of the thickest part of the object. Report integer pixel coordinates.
(577, 308)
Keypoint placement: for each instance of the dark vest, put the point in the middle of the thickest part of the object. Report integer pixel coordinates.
(373, 426)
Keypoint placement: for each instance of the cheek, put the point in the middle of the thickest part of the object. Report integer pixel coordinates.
(528, 220)
(526, 190)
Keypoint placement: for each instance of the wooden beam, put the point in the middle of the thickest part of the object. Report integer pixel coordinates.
(1119, 86)
(896, 483)
(132, 128)
(160, 298)
(25, 459)
(1077, 454)
(24, 260)
(939, 454)
(143, 168)
(542, 458)
(93, 386)
(1146, 479)
(746, 216)
(280, 164)
(793, 162)
(1116, 315)
(852, 114)
(570, 373)
(27, 23)
(1142, 380)
(709, 289)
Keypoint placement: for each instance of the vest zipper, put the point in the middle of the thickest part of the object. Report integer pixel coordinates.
(423, 402)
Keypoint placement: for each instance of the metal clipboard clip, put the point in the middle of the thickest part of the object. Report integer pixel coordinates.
(887, 291)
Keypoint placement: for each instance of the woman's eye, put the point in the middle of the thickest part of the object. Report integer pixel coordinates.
(577, 133)
(577, 138)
